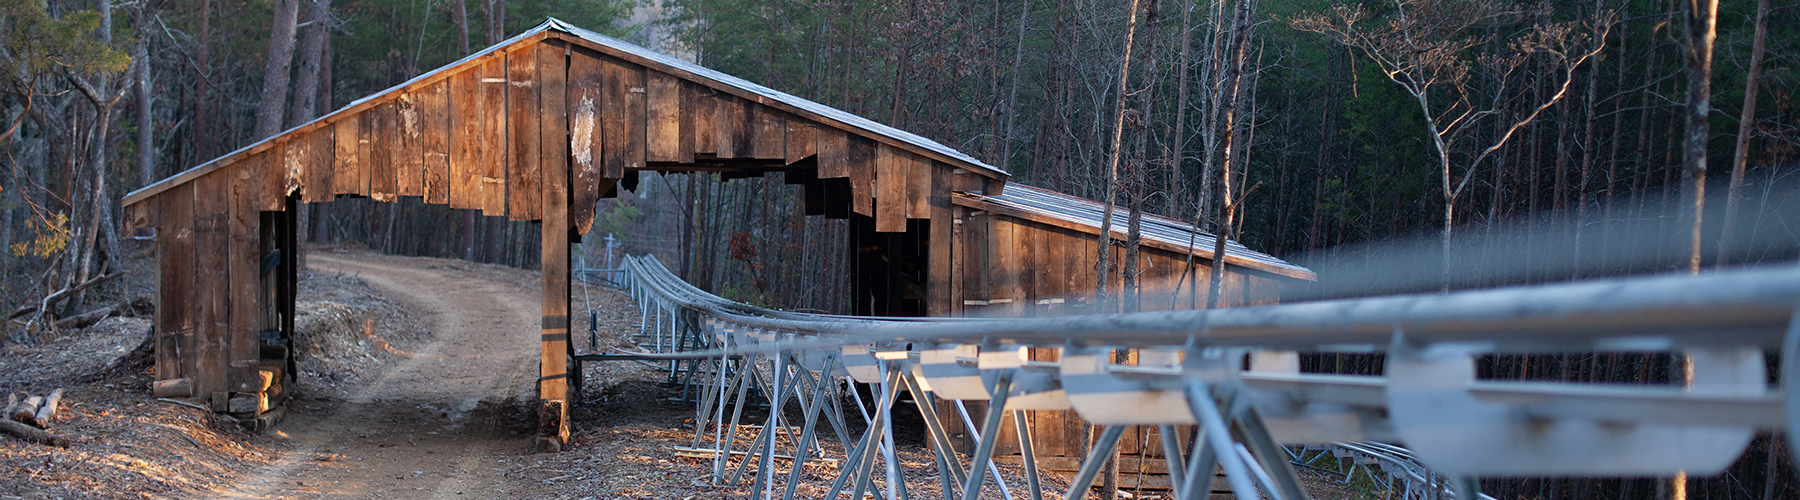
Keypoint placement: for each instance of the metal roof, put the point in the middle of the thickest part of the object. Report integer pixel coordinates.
(1157, 230)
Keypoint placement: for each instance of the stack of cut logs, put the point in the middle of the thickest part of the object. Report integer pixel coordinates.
(28, 418)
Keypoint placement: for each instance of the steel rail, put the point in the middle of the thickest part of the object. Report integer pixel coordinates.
(1244, 364)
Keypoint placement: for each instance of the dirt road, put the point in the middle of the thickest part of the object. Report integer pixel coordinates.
(444, 423)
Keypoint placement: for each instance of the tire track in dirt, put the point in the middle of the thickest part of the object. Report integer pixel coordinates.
(444, 423)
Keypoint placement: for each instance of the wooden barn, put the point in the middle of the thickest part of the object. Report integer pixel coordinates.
(540, 128)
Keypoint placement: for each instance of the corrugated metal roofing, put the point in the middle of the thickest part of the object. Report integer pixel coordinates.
(1168, 231)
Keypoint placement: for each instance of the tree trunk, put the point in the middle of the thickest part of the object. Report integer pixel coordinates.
(496, 20)
(312, 58)
(1177, 180)
(1234, 76)
(460, 15)
(1701, 18)
(1103, 264)
(1012, 96)
(1746, 126)
(275, 73)
(146, 120)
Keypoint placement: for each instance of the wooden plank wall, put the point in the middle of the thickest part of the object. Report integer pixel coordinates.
(521, 132)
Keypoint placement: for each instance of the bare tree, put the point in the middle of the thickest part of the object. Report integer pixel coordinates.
(1426, 47)
(1746, 127)
(312, 58)
(146, 121)
(270, 112)
(1234, 78)
(1699, 27)
(1103, 266)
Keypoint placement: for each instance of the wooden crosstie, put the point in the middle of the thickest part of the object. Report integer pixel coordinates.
(542, 126)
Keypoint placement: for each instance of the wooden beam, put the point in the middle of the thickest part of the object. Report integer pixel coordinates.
(622, 115)
(890, 191)
(433, 106)
(861, 162)
(464, 96)
(381, 132)
(769, 135)
(175, 283)
(833, 152)
(584, 93)
(212, 198)
(493, 136)
(553, 132)
(800, 143)
(346, 170)
(522, 174)
(243, 270)
(664, 119)
(918, 170)
(553, 375)
(700, 112)
(938, 270)
(408, 157)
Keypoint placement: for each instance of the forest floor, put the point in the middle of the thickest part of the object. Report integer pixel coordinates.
(416, 381)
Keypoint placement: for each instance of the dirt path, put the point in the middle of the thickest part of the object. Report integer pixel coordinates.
(446, 422)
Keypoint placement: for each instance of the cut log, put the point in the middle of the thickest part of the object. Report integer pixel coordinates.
(173, 388)
(245, 403)
(32, 434)
(47, 412)
(270, 374)
(88, 319)
(12, 404)
(25, 410)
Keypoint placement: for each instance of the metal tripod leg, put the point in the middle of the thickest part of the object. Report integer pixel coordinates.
(1201, 462)
(990, 434)
(1090, 466)
(1028, 452)
(806, 434)
(737, 411)
(950, 472)
(1171, 445)
(1218, 436)
(877, 430)
(765, 471)
(1272, 457)
(863, 458)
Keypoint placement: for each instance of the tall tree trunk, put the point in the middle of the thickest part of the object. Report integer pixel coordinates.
(146, 120)
(312, 58)
(1746, 126)
(1103, 264)
(1012, 96)
(1177, 175)
(496, 21)
(203, 121)
(275, 73)
(460, 14)
(1234, 76)
(1701, 24)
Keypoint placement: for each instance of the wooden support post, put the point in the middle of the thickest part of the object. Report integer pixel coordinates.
(553, 365)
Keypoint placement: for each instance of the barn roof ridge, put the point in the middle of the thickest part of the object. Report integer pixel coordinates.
(853, 123)
(1082, 214)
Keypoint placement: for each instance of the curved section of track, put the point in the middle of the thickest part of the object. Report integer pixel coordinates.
(1235, 373)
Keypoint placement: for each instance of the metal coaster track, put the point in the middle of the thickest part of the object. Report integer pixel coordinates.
(1236, 374)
